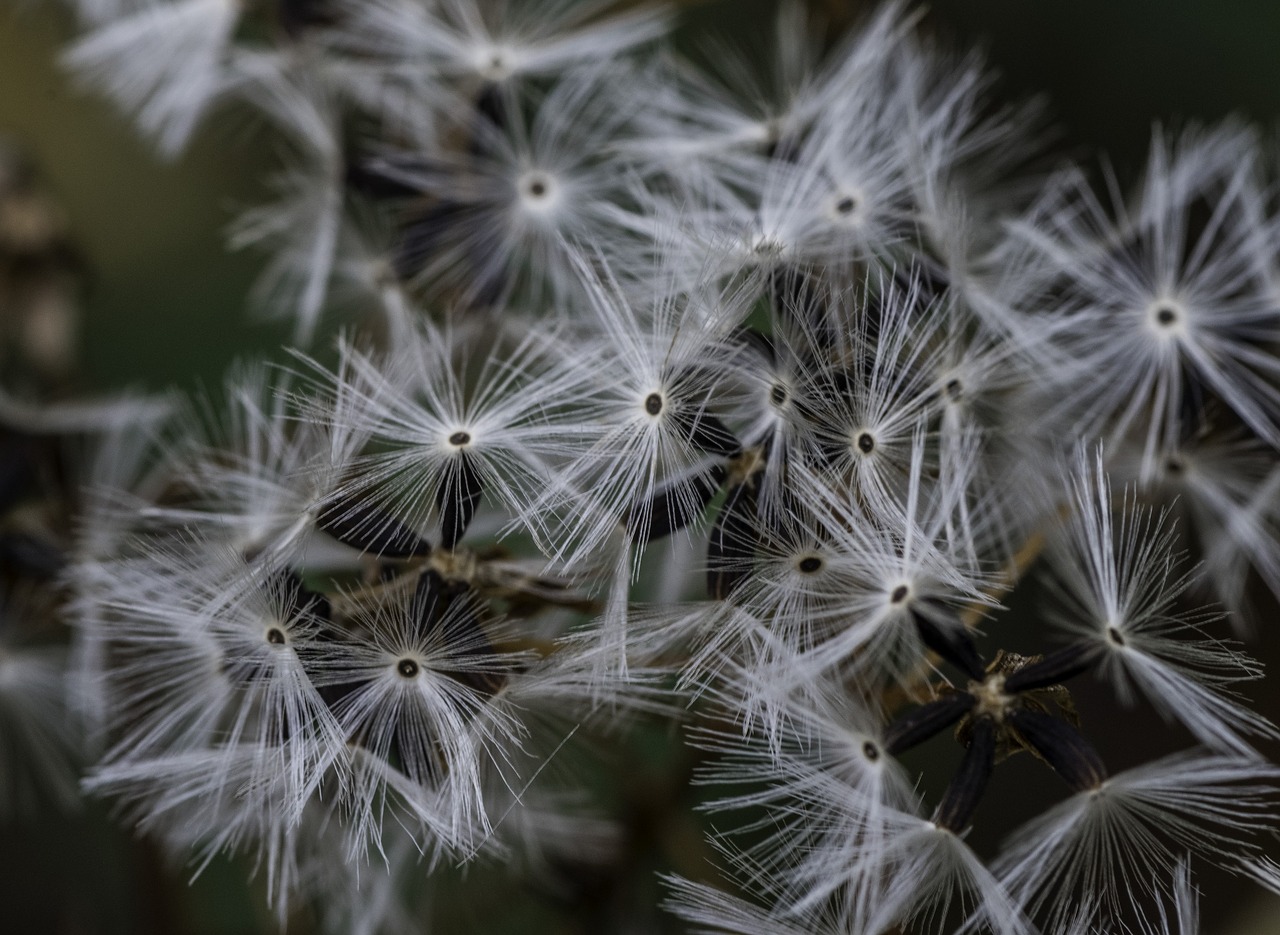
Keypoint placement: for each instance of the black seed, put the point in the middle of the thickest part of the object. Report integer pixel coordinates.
(673, 506)
(866, 443)
(1174, 466)
(966, 787)
(653, 404)
(275, 635)
(459, 439)
(537, 188)
(871, 751)
(778, 394)
(846, 205)
(1166, 316)
(953, 388)
(949, 639)
(1053, 669)
(809, 564)
(1071, 756)
(915, 727)
(407, 668)
(456, 498)
(1115, 636)
(899, 594)
(733, 541)
(369, 529)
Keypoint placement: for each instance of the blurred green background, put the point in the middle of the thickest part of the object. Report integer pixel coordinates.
(165, 302)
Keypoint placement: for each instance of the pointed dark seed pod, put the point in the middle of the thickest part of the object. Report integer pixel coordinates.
(378, 180)
(1054, 669)
(733, 540)
(949, 639)
(756, 339)
(299, 599)
(709, 435)
(793, 295)
(433, 597)
(420, 237)
(966, 787)
(918, 725)
(298, 16)
(31, 556)
(369, 529)
(456, 498)
(437, 599)
(673, 505)
(18, 470)
(1062, 746)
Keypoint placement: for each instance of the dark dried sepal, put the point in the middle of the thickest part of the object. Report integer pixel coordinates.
(369, 529)
(949, 639)
(967, 786)
(457, 497)
(918, 725)
(673, 506)
(732, 545)
(1053, 669)
(1062, 747)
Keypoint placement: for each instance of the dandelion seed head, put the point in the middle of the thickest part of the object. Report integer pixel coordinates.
(1167, 318)
(539, 191)
(845, 207)
(809, 564)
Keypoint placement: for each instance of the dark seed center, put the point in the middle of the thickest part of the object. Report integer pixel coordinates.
(953, 388)
(1166, 316)
(778, 394)
(899, 594)
(871, 751)
(407, 668)
(1115, 636)
(846, 205)
(866, 443)
(653, 404)
(809, 564)
(1174, 466)
(276, 636)
(537, 188)
(458, 439)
